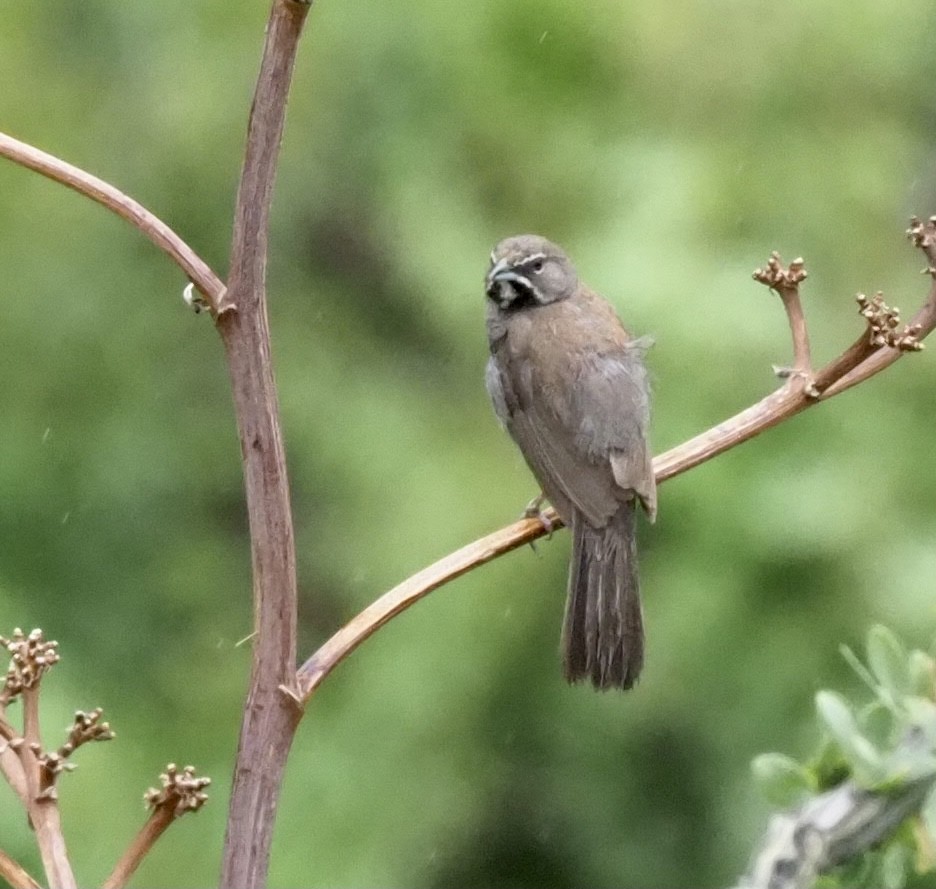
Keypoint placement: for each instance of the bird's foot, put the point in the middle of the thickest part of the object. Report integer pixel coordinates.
(533, 510)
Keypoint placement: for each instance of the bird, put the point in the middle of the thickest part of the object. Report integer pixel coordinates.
(568, 382)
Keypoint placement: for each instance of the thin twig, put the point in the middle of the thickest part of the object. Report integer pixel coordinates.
(785, 282)
(339, 646)
(31, 729)
(858, 352)
(15, 874)
(10, 763)
(159, 819)
(43, 805)
(923, 323)
(923, 236)
(47, 823)
(181, 791)
(137, 215)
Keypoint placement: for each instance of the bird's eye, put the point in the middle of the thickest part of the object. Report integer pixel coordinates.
(537, 265)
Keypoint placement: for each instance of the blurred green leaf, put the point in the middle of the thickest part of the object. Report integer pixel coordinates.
(896, 865)
(921, 714)
(878, 722)
(829, 766)
(922, 673)
(836, 715)
(860, 669)
(888, 661)
(782, 780)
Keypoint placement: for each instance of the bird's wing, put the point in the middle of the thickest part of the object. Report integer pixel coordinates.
(610, 409)
(586, 443)
(567, 480)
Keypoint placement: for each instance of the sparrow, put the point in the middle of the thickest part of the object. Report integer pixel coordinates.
(567, 380)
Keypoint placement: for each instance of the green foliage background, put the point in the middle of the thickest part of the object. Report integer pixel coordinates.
(669, 147)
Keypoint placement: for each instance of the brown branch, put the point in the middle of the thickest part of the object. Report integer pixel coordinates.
(137, 215)
(154, 827)
(921, 325)
(15, 874)
(270, 717)
(785, 282)
(22, 759)
(181, 792)
(802, 390)
(372, 618)
(11, 765)
(857, 353)
(42, 805)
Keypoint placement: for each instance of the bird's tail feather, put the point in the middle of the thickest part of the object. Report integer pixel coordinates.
(602, 636)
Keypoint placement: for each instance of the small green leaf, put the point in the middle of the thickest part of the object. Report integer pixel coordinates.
(855, 663)
(921, 713)
(922, 674)
(866, 762)
(895, 866)
(905, 767)
(889, 661)
(836, 715)
(782, 780)
(927, 828)
(878, 722)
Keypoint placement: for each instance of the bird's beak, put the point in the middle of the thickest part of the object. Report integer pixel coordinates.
(498, 273)
(499, 279)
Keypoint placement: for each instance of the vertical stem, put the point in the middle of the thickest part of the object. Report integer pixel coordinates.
(802, 361)
(270, 716)
(43, 810)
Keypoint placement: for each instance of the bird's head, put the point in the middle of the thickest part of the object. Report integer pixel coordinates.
(528, 270)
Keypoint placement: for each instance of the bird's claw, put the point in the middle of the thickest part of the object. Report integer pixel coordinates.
(533, 511)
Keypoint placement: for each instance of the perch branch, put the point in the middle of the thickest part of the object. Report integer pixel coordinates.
(137, 215)
(15, 874)
(801, 390)
(270, 717)
(372, 618)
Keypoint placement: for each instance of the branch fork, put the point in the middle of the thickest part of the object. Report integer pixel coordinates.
(785, 281)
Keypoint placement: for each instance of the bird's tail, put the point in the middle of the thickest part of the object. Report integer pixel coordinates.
(602, 636)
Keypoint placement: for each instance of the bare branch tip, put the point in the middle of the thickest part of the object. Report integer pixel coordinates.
(181, 791)
(883, 322)
(778, 277)
(86, 727)
(30, 657)
(922, 234)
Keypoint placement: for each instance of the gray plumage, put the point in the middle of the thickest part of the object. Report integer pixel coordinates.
(569, 384)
